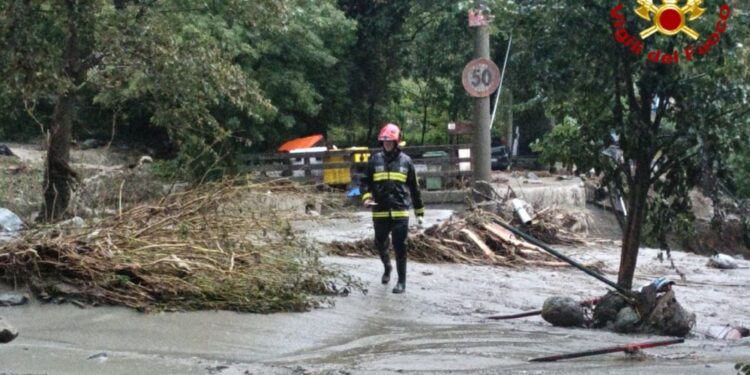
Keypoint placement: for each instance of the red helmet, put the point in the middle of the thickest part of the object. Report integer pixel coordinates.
(390, 132)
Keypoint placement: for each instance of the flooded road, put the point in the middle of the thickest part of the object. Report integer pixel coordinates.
(436, 327)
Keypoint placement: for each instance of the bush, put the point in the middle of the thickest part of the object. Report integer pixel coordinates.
(563, 144)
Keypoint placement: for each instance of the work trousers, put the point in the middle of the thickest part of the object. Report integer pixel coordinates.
(398, 229)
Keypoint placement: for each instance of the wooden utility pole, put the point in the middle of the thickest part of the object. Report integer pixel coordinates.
(480, 145)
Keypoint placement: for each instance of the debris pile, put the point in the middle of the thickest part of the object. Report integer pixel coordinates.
(472, 238)
(654, 310)
(552, 225)
(203, 248)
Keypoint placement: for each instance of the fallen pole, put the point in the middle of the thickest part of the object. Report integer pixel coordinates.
(515, 316)
(588, 302)
(628, 348)
(564, 258)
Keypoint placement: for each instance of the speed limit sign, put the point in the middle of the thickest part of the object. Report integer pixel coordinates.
(481, 77)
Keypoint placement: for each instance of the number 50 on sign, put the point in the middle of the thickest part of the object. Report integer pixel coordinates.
(481, 77)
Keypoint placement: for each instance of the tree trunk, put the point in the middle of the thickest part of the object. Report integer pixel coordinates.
(58, 176)
(636, 215)
(424, 121)
(370, 121)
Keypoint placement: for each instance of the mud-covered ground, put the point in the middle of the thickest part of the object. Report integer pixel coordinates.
(438, 326)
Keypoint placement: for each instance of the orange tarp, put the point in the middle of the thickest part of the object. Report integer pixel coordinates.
(304, 142)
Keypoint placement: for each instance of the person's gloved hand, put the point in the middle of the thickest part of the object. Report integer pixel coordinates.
(369, 203)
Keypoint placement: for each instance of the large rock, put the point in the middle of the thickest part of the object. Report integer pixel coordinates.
(606, 311)
(722, 262)
(563, 312)
(627, 321)
(5, 151)
(13, 299)
(10, 225)
(7, 332)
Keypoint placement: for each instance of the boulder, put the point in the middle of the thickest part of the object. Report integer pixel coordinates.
(627, 320)
(722, 262)
(10, 225)
(5, 151)
(563, 312)
(607, 309)
(13, 299)
(7, 332)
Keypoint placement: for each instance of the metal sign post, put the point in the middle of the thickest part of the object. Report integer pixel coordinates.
(481, 78)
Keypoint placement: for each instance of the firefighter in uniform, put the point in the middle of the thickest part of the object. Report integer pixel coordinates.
(389, 188)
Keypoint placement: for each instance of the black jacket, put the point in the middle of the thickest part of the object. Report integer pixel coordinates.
(391, 182)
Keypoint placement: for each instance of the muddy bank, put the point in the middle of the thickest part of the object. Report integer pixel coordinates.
(438, 326)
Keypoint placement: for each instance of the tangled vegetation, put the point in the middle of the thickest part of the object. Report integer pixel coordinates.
(206, 248)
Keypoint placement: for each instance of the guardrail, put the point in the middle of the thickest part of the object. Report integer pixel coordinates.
(286, 164)
(322, 164)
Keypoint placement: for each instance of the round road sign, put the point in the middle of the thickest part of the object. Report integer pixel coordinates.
(481, 77)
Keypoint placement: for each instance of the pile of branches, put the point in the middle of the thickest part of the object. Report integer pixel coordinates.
(554, 226)
(474, 238)
(204, 248)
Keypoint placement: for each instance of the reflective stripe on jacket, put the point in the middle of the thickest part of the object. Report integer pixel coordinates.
(391, 182)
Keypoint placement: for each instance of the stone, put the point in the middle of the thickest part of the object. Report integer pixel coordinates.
(99, 357)
(563, 312)
(13, 299)
(722, 262)
(10, 225)
(627, 320)
(607, 309)
(5, 151)
(7, 332)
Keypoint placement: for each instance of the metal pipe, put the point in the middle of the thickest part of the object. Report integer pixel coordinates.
(515, 316)
(586, 303)
(628, 348)
(564, 258)
(500, 88)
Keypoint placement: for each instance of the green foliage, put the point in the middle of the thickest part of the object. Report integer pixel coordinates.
(564, 145)
(742, 368)
(237, 76)
(222, 77)
(700, 119)
(739, 164)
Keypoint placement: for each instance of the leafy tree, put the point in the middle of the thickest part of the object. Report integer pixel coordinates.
(666, 116)
(377, 56)
(48, 50)
(217, 76)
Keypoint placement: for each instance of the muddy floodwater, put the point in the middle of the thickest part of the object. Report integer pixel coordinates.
(438, 326)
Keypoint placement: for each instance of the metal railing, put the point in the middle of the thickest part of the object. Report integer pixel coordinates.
(287, 163)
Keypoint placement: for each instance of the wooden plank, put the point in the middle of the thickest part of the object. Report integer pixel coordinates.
(508, 237)
(478, 241)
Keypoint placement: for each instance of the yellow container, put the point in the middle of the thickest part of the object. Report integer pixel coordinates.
(336, 176)
(360, 154)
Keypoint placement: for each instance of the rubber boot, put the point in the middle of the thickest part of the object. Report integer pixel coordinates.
(401, 269)
(387, 268)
